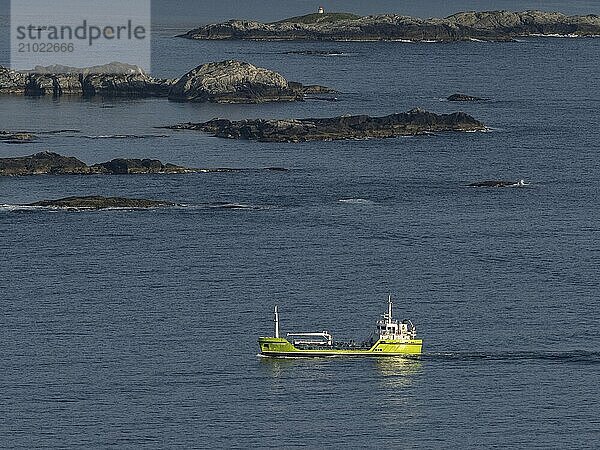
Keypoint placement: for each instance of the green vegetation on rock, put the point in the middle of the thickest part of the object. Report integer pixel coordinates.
(319, 18)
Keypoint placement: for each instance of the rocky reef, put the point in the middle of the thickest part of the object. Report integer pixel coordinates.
(222, 82)
(465, 98)
(42, 163)
(48, 163)
(99, 202)
(16, 137)
(122, 166)
(414, 122)
(488, 26)
(54, 164)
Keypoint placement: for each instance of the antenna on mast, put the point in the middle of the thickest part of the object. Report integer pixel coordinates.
(276, 320)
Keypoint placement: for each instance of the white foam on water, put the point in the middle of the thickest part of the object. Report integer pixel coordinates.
(356, 201)
(8, 207)
(54, 209)
(126, 136)
(235, 205)
(564, 36)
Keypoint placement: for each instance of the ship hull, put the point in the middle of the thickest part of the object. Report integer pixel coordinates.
(280, 347)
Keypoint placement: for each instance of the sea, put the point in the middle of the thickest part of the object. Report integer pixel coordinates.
(138, 328)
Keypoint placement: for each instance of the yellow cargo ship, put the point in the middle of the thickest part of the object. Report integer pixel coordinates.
(390, 338)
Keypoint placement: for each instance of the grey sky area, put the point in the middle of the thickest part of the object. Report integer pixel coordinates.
(202, 11)
(192, 12)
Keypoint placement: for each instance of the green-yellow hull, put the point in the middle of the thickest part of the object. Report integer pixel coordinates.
(270, 346)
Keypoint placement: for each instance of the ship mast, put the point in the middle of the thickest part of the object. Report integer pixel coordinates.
(389, 314)
(276, 320)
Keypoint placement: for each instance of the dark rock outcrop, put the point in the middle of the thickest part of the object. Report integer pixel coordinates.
(17, 137)
(121, 166)
(489, 26)
(42, 163)
(308, 89)
(124, 85)
(237, 82)
(55, 164)
(53, 84)
(91, 85)
(414, 122)
(99, 202)
(25, 137)
(465, 98)
(48, 163)
(315, 52)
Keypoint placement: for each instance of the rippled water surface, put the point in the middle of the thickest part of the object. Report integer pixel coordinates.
(138, 328)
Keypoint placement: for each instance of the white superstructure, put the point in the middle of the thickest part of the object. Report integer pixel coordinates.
(388, 328)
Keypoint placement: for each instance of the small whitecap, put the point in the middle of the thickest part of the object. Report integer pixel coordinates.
(356, 201)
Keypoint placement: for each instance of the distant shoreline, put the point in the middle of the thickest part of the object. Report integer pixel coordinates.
(493, 26)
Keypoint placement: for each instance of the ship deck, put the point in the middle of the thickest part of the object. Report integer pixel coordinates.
(336, 346)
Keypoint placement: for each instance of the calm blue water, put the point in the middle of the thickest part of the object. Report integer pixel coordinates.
(138, 328)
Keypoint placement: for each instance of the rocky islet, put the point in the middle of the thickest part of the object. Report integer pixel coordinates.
(463, 26)
(49, 163)
(413, 122)
(229, 81)
(94, 202)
